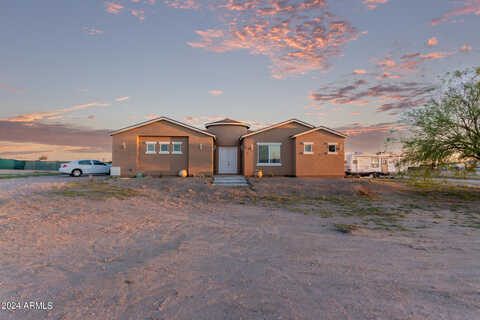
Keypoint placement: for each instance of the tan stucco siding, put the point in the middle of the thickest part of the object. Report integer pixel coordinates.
(158, 163)
(279, 134)
(126, 149)
(227, 135)
(320, 163)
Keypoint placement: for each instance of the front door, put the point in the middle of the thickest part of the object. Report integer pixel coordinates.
(227, 160)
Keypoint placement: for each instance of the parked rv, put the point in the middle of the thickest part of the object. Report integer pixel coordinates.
(381, 164)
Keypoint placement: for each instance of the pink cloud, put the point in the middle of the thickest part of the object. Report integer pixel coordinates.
(359, 71)
(140, 14)
(112, 7)
(91, 117)
(122, 99)
(357, 128)
(432, 42)
(25, 140)
(388, 75)
(215, 92)
(56, 114)
(181, 4)
(372, 4)
(465, 48)
(387, 97)
(296, 37)
(200, 121)
(410, 62)
(470, 7)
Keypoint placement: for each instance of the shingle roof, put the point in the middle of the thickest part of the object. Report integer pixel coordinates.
(141, 124)
(227, 121)
(335, 132)
(308, 125)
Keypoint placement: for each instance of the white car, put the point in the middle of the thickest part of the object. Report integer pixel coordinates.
(79, 167)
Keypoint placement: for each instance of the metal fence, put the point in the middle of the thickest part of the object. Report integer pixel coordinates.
(11, 164)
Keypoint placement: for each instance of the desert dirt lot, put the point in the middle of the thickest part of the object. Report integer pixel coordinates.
(170, 248)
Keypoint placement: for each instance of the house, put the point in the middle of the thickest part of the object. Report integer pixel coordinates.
(164, 146)
(365, 164)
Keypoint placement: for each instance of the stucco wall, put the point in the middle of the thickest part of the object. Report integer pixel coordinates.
(280, 134)
(200, 161)
(320, 163)
(162, 164)
(227, 135)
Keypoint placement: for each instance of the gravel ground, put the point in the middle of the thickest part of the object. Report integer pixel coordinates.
(183, 249)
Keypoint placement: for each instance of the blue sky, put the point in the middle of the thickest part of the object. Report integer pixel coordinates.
(85, 67)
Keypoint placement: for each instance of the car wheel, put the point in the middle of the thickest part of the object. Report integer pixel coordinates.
(77, 173)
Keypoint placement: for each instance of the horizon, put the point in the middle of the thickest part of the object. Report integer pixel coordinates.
(73, 72)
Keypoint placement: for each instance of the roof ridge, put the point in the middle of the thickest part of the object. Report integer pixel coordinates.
(162, 118)
(332, 131)
(272, 126)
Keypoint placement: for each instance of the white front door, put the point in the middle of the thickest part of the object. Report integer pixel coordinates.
(227, 160)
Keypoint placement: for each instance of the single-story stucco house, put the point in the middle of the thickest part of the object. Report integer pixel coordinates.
(165, 146)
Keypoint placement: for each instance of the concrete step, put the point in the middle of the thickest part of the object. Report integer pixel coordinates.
(227, 182)
(230, 181)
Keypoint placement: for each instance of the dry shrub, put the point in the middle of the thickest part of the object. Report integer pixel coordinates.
(363, 191)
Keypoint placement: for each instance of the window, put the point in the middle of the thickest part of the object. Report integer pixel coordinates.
(164, 147)
(85, 162)
(269, 154)
(98, 163)
(150, 147)
(177, 147)
(308, 148)
(332, 148)
(375, 162)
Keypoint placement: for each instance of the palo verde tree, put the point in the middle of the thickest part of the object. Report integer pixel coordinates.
(447, 128)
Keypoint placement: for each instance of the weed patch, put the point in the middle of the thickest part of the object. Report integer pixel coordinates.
(345, 227)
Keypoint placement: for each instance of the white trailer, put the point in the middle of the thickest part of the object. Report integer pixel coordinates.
(364, 164)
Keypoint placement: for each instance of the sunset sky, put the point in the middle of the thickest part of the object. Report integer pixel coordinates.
(71, 71)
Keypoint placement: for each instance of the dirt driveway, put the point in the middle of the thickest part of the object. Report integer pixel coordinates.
(169, 248)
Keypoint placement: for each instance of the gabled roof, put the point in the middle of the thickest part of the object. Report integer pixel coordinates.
(338, 133)
(141, 124)
(227, 121)
(273, 126)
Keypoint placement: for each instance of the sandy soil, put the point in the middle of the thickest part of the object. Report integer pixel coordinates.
(183, 249)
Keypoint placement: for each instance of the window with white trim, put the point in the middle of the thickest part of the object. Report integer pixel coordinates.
(308, 148)
(164, 147)
(150, 147)
(268, 154)
(177, 147)
(332, 148)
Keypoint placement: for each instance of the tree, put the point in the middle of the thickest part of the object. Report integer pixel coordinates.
(447, 128)
(42, 158)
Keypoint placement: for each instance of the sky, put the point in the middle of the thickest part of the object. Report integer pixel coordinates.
(72, 71)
